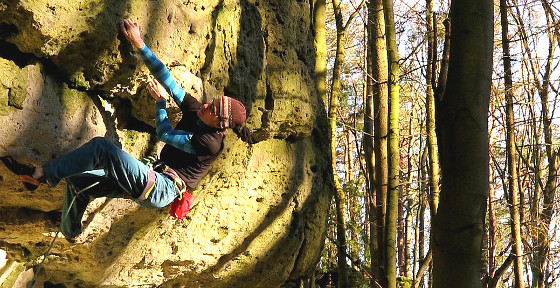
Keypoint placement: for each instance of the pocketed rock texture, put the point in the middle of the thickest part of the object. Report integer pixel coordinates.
(67, 75)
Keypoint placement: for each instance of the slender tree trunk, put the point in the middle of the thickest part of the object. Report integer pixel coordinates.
(511, 153)
(408, 237)
(493, 283)
(380, 112)
(535, 203)
(340, 197)
(320, 48)
(551, 153)
(433, 180)
(400, 237)
(545, 215)
(368, 148)
(462, 130)
(549, 191)
(353, 248)
(349, 160)
(424, 266)
(491, 238)
(422, 212)
(312, 280)
(393, 144)
(405, 203)
(494, 171)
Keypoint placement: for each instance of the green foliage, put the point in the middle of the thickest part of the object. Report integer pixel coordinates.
(358, 280)
(404, 282)
(78, 80)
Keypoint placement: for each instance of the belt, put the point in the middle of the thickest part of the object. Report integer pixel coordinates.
(168, 172)
(149, 186)
(180, 185)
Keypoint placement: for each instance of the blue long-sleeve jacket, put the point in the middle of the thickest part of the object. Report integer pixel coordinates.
(191, 146)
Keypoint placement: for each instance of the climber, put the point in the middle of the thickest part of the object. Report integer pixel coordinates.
(190, 148)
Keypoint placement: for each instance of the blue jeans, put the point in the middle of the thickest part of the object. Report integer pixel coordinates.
(118, 173)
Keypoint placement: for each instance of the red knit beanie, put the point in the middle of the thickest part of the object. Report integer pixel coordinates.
(232, 112)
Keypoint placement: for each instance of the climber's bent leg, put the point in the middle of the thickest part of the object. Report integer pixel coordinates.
(77, 198)
(100, 153)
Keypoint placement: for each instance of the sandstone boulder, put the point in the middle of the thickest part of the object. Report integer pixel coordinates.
(67, 75)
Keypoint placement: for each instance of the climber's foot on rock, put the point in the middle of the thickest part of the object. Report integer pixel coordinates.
(24, 171)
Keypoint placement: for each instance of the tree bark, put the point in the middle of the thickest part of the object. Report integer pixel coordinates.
(339, 196)
(367, 141)
(400, 238)
(380, 111)
(320, 49)
(423, 268)
(433, 180)
(462, 130)
(491, 237)
(421, 212)
(511, 153)
(543, 215)
(405, 204)
(408, 237)
(493, 283)
(393, 144)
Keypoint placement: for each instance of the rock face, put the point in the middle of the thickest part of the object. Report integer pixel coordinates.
(67, 75)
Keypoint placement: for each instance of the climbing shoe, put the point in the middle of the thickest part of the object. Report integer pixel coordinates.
(24, 171)
(72, 240)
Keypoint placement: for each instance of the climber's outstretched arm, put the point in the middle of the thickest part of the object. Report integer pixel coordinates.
(132, 33)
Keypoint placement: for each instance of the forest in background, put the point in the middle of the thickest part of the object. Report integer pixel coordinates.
(520, 243)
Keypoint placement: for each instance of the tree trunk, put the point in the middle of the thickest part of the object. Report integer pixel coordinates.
(511, 153)
(462, 130)
(408, 237)
(400, 238)
(538, 187)
(340, 197)
(349, 156)
(368, 146)
(393, 144)
(421, 213)
(433, 180)
(380, 112)
(320, 49)
(545, 215)
(491, 237)
(405, 203)
(493, 282)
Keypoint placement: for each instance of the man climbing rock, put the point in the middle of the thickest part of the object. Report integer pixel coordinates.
(101, 169)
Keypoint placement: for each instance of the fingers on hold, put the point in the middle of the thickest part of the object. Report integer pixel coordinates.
(125, 32)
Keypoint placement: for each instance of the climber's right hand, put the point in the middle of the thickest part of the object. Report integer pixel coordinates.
(156, 90)
(132, 33)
